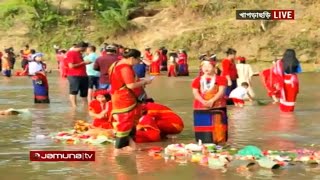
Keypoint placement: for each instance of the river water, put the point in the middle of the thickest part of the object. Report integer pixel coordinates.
(264, 126)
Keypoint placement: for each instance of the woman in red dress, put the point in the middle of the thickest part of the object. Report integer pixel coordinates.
(210, 112)
(229, 70)
(100, 109)
(183, 69)
(127, 93)
(286, 70)
(156, 63)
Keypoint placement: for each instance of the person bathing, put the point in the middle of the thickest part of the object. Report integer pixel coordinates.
(238, 94)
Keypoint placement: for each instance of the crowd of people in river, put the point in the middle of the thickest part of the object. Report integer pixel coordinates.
(112, 84)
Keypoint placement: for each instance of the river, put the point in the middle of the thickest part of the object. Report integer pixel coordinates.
(264, 126)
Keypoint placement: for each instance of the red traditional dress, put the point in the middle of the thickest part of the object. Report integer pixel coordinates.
(229, 69)
(97, 107)
(271, 83)
(155, 64)
(167, 120)
(147, 130)
(126, 109)
(288, 85)
(62, 65)
(24, 72)
(210, 124)
(172, 68)
(183, 64)
(148, 55)
(41, 88)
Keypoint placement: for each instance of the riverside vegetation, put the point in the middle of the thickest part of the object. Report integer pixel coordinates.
(198, 26)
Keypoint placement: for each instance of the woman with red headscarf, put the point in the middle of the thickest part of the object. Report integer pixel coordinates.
(127, 93)
(210, 112)
(100, 109)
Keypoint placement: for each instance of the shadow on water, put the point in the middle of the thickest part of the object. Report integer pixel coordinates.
(261, 125)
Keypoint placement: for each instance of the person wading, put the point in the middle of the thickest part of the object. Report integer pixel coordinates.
(103, 64)
(92, 74)
(76, 73)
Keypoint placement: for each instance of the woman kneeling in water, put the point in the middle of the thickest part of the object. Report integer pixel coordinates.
(100, 109)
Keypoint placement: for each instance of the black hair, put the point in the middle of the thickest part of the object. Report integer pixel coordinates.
(82, 44)
(63, 51)
(108, 97)
(173, 54)
(231, 51)
(245, 84)
(27, 45)
(149, 100)
(32, 51)
(290, 62)
(93, 48)
(111, 50)
(132, 53)
(164, 51)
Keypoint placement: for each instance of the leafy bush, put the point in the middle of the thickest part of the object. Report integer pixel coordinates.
(115, 17)
(8, 12)
(45, 15)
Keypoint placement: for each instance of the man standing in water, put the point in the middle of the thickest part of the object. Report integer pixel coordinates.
(103, 64)
(76, 73)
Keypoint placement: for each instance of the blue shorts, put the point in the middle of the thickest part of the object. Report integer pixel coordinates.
(104, 86)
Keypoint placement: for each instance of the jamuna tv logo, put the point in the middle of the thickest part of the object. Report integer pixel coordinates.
(62, 155)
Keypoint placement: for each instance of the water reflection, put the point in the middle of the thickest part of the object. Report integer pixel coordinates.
(263, 126)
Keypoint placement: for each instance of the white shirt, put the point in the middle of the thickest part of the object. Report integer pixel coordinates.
(34, 67)
(239, 93)
(245, 73)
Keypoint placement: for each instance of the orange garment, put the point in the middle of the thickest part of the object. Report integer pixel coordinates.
(125, 108)
(167, 120)
(5, 63)
(26, 53)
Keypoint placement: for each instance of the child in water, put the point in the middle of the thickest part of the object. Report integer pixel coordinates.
(100, 109)
(238, 94)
